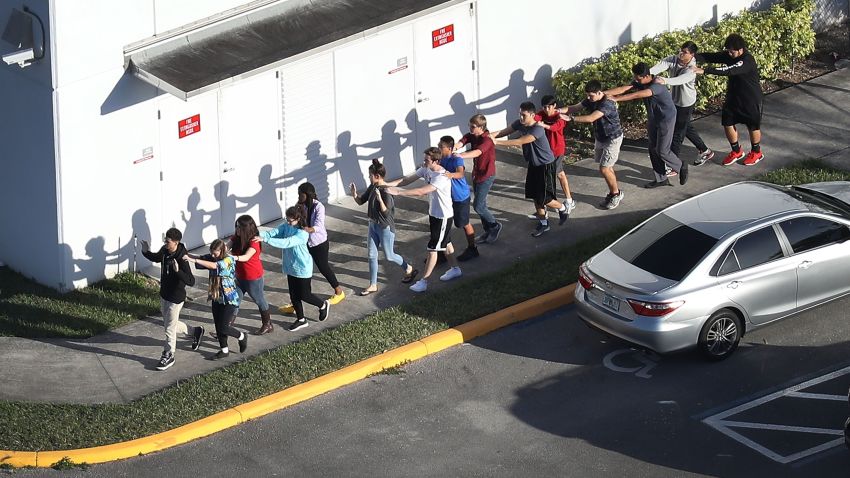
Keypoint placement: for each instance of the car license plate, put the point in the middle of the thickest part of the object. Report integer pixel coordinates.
(612, 303)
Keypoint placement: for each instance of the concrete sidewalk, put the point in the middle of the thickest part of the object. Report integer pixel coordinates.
(806, 121)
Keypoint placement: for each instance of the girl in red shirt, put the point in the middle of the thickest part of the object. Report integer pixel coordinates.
(246, 248)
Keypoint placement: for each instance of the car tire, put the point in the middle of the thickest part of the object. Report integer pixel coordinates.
(720, 335)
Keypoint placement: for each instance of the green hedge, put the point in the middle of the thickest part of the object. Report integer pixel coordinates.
(776, 37)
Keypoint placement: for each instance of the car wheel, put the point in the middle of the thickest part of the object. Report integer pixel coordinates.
(720, 335)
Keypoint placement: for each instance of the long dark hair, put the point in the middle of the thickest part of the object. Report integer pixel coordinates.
(309, 190)
(214, 290)
(246, 230)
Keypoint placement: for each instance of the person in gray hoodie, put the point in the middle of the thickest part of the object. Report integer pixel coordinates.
(175, 276)
(682, 81)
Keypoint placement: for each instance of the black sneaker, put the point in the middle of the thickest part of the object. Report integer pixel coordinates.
(657, 184)
(563, 216)
(243, 344)
(324, 311)
(683, 174)
(606, 201)
(469, 253)
(494, 233)
(219, 355)
(197, 337)
(165, 362)
(539, 230)
(298, 324)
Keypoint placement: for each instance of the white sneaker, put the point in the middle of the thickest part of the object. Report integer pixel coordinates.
(420, 286)
(571, 204)
(452, 273)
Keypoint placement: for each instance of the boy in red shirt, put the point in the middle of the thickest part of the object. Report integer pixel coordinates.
(550, 119)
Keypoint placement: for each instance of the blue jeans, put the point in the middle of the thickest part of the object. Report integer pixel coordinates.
(381, 236)
(254, 288)
(479, 203)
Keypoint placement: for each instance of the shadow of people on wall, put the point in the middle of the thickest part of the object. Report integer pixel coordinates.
(511, 97)
(265, 199)
(196, 220)
(390, 148)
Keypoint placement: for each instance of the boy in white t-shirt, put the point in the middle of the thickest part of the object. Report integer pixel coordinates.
(439, 211)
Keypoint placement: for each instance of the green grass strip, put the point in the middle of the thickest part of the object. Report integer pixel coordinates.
(38, 426)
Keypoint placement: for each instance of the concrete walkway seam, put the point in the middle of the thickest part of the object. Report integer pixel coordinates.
(298, 393)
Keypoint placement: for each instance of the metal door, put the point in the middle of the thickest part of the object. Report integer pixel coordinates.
(249, 129)
(445, 75)
(190, 174)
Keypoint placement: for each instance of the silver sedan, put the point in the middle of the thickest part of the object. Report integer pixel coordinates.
(704, 271)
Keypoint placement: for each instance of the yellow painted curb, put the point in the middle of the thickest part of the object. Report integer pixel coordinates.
(298, 393)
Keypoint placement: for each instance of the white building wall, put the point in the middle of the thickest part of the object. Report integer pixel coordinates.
(29, 239)
(518, 54)
(110, 143)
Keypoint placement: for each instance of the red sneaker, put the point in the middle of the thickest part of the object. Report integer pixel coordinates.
(732, 158)
(752, 158)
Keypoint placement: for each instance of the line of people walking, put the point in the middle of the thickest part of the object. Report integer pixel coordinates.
(235, 268)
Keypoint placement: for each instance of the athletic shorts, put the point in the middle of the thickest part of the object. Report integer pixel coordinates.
(441, 229)
(461, 211)
(606, 153)
(751, 117)
(540, 183)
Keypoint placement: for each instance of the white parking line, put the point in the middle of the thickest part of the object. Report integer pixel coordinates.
(721, 424)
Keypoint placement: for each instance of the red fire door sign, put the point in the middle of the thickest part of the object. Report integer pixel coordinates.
(443, 35)
(189, 126)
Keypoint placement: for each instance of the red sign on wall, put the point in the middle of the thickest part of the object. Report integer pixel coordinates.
(443, 35)
(189, 126)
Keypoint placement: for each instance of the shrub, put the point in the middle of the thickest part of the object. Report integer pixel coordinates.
(776, 37)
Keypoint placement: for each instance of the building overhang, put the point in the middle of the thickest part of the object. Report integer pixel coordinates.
(259, 37)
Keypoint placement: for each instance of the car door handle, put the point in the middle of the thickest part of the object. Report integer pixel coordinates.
(805, 264)
(734, 284)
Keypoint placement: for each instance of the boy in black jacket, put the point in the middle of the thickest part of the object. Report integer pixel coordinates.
(743, 96)
(176, 275)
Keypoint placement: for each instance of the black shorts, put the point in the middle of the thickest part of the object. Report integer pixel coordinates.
(751, 117)
(461, 211)
(440, 233)
(540, 183)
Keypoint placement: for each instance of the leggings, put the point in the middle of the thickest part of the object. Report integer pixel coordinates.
(300, 290)
(320, 257)
(222, 315)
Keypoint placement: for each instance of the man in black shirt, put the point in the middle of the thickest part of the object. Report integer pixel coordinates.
(743, 96)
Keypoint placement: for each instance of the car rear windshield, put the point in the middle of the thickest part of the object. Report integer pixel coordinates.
(664, 247)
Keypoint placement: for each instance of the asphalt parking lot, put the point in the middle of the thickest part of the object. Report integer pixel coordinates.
(552, 397)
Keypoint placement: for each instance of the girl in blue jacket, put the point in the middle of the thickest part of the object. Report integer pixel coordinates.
(297, 264)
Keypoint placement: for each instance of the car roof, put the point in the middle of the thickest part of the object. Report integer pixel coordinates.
(721, 211)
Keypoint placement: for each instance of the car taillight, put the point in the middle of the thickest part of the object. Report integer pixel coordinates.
(583, 279)
(654, 309)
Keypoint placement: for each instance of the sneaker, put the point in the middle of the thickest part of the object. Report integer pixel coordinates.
(683, 174)
(336, 298)
(614, 200)
(165, 362)
(752, 158)
(704, 156)
(324, 311)
(287, 309)
(452, 273)
(494, 233)
(469, 253)
(670, 172)
(565, 214)
(219, 355)
(197, 337)
(482, 238)
(571, 204)
(732, 158)
(243, 344)
(539, 230)
(420, 286)
(657, 184)
(298, 324)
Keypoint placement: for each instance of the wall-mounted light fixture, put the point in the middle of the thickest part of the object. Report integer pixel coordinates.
(19, 33)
